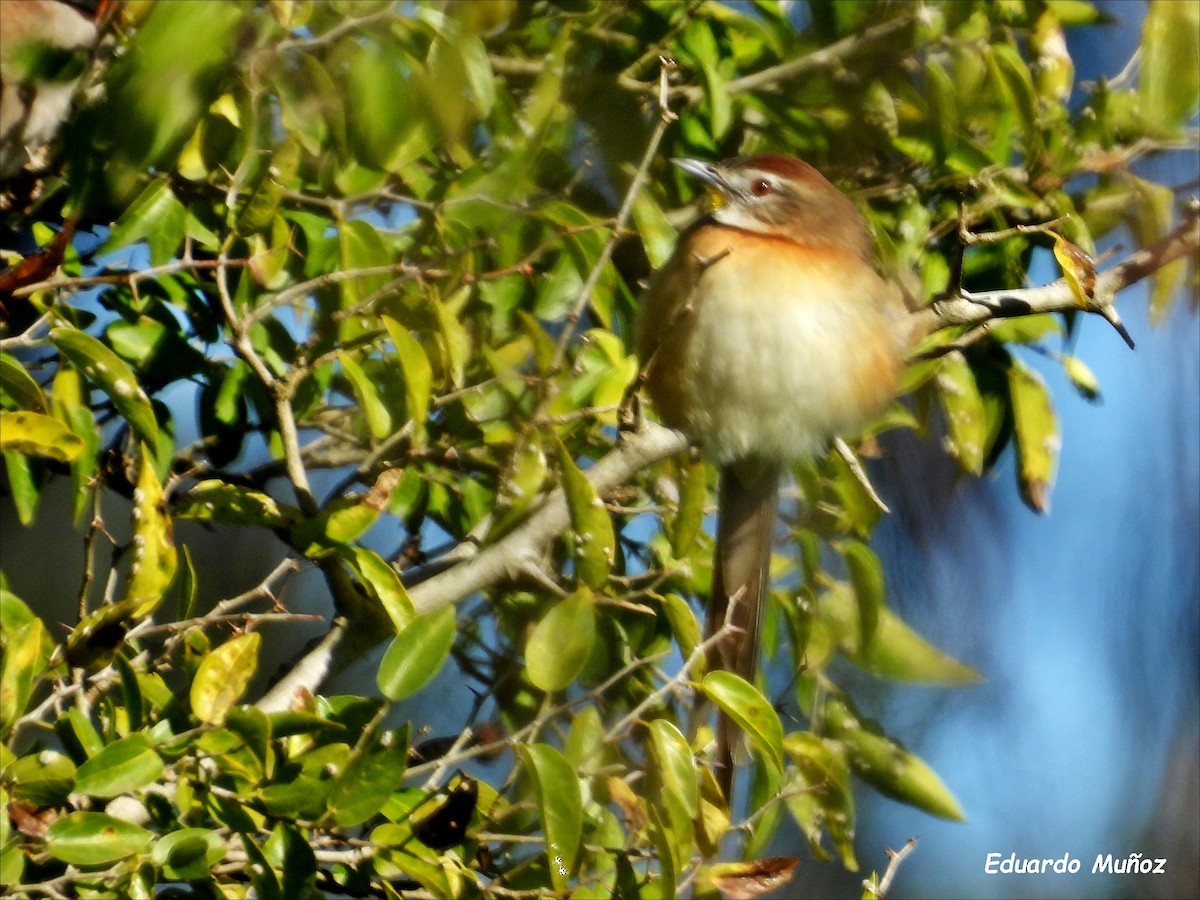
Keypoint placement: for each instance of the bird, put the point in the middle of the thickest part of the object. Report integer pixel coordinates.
(767, 333)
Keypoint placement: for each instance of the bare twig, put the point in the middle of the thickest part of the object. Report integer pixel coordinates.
(665, 118)
(879, 889)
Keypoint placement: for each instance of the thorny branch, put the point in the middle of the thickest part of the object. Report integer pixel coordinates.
(977, 308)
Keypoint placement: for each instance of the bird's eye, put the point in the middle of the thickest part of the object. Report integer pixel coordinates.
(761, 188)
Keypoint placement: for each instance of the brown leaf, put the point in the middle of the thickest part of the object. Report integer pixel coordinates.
(29, 820)
(746, 880)
(381, 492)
(629, 802)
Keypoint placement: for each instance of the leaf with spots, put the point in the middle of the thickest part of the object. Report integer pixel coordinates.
(154, 555)
(34, 434)
(223, 677)
(592, 529)
(561, 805)
(94, 839)
(109, 373)
(1036, 428)
(749, 709)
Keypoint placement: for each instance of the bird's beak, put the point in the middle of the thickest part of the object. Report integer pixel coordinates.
(718, 188)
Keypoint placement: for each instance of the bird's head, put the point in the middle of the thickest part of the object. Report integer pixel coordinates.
(780, 196)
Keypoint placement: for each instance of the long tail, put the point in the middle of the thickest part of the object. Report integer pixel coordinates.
(749, 493)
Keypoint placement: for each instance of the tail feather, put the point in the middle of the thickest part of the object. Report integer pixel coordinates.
(748, 497)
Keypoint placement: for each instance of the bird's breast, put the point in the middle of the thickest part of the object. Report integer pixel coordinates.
(778, 347)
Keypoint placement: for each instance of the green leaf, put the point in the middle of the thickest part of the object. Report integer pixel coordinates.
(147, 115)
(560, 644)
(78, 734)
(360, 247)
(121, 767)
(71, 406)
(365, 784)
(881, 762)
(385, 585)
(682, 619)
(417, 654)
(379, 420)
(291, 855)
(866, 574)
(213, 500)
(676, 766)
(339, 524)
(18, 386)
(896, 652)
(749, 709)
(693, 498)
(943, 107)
(658, 236)
(262, 205)
(825, 799)
(94, 839)
(1169, 80)
(24, 484)
(223, 677)
(418, 376)
(188, 854)
(594, 542)
(157, 217)
(377, 99)
(1012, 74)
(520, 484)
(24, 662)
(43, 779)
(966, 419)
(561, 805)
(262, 876)
(112, 375)
(1036, 429)
(154, 556)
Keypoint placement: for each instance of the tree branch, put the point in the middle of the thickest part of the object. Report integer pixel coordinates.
(967, 308)
(503, 559)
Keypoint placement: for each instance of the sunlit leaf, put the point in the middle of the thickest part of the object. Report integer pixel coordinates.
(896, 652)
(559, 646)
(213, 500)
(965, 417)
(418, 376)
(112, 375)
(123, 766)
(18, 386)
(94, 839)
(157, 217)
(364, 785)
(379, 420)
(1038, 440)
(154, 555)
(594, 541)
(384, 583)
(188, 854)
(886, 765)
(34, 434)
(746, 880)
(43, 779)
(24, 661)
(417, 654)
(1169, 84)
(676, 767)
(749, 709)
(561, 807)
(223, 677)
